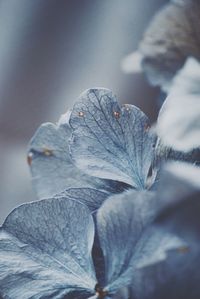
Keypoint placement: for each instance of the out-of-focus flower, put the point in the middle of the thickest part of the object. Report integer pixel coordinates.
(179, 119)
(172, 36)
(87, 241)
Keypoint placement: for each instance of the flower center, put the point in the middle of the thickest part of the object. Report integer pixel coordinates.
(100, 292)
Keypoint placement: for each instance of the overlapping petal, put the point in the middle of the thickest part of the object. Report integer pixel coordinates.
(45, 252)
(110, 140)
(140, 231)
(51, 166)
(177, 276)
(92, 198)
(45, 247)
(128, 238)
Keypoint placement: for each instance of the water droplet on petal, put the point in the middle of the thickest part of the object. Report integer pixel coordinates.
(81, 113)
(116, 114)
(47, 152)
(29, 158)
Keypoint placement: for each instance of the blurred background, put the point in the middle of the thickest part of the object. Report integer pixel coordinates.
(50, 51)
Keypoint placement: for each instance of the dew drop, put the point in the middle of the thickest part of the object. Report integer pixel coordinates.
(81, 113)
(116, 114)
(29, 158)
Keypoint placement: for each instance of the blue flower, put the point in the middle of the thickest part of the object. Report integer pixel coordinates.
(104, 233)
(46, 246)
(99, 144)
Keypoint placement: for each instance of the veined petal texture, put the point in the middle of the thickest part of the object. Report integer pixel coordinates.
(51, 166)
(120, 223)
(92, 198)
(45, 251)
(111, 141)
(132, 236)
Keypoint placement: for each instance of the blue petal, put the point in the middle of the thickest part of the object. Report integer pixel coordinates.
(178, 122)
(176, 276)
(45, 251)
(110, 141)
(51, 166)
(164, 153)
(154, 246)
(120, 223)
(129, 238)
(92, 198)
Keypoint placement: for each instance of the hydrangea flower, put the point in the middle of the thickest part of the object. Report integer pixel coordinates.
(45, 246)
(87, 241)
(99, 144)
(100, 147)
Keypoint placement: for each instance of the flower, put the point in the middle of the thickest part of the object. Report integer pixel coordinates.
(103, 232)
(46, 246)
(99, 145)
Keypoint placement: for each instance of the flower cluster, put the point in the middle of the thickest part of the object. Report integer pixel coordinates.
(115, 218)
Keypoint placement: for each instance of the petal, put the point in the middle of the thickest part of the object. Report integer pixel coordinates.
(133, 231)
(177, 276)
(110, 141)
(92, 198)
(165, 153)
(177, 180)
(155, 246)
(120, 222)
(51, 166)
(162, 282)
(179, 119)
(45, 251)
(170, 38)
(127, 238)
